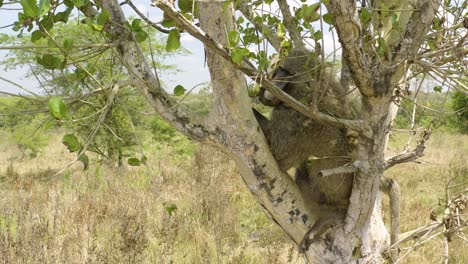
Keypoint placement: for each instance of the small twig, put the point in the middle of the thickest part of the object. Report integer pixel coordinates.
(185, 96)
(19, 86)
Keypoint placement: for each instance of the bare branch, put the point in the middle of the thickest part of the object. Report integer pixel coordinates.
(264, 29)
(355, 125)
(151, 23)
(417, 233)
(291, 25)
(413, 155)
(338, 170)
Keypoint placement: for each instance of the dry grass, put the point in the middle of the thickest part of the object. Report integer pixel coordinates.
(423, 186)
(178, 210)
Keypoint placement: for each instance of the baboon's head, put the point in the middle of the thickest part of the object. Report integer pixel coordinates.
(293, 76)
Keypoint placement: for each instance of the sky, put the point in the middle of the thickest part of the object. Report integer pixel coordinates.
(191, 68)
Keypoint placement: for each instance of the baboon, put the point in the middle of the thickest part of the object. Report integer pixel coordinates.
(309, 146)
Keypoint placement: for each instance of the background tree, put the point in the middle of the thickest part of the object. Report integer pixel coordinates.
(117, 138)
(384, 44)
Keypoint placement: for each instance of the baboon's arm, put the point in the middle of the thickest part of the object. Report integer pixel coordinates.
(263, 122)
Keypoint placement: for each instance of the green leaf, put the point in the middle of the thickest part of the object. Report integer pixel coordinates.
(168, 23)
(309, 12)
(141, 35)
(185, 5)
(50, 62)
(318, 35)
(85, 160)
(233, 38)
(382, 48)
(263, 61)
(285, 44)
(238, 54)
(63, 16)
(29, 8)
(179, 90)
(67, 44)
(72, 142)
(80, 3)
(136, 24)
(44, 7)
(173, 40)
(365, 16)
(36, 35)
(47, 23)
(103, 17)
(280, 30)
(394, 19)
(133, 161)
(1, 3)
(57, 108)
(327, 18)
(438, 88)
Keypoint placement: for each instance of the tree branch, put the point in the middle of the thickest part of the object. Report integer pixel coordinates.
(264, 29)
(416, 29)
(291, 25)
(355, 125)
(151, 23)
(417, 233)
(350, 34)
(411, 155)
(337, 170)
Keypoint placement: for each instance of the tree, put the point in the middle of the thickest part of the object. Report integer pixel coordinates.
(117, 137)
(383, 44)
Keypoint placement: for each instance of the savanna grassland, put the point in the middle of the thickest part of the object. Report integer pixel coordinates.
(188, 205)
